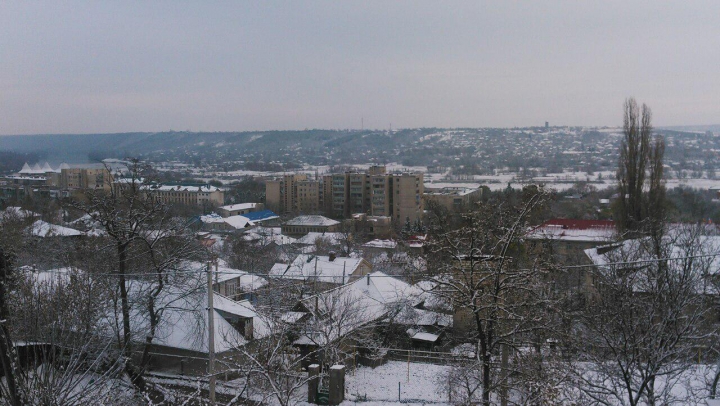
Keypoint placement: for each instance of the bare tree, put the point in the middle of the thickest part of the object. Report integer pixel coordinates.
(648, 319)
(640, 205)
(65, 357)
(496, 290)
(146, 243)
(8, 356)
(270, 367)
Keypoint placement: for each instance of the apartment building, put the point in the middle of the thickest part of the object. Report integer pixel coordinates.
(92, 176)
(380, 195)
(308, 196)
(295, 193)
(407, 191)
(358, 193)
(340, 195)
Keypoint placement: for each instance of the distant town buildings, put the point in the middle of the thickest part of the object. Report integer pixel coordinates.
(204, 195)
(373, 192)
(69, 179)
(37, 180)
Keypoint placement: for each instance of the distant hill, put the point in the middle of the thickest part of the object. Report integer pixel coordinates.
(470, 151)
(715, 128)
(82, 148)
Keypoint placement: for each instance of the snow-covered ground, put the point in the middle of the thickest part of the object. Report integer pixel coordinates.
(499, 181)
(421, 386)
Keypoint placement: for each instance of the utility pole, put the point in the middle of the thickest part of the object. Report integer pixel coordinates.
(211, 335)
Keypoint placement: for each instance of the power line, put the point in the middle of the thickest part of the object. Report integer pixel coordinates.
(237, 272)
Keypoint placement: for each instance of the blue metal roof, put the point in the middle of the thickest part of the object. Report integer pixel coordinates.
(260, 215)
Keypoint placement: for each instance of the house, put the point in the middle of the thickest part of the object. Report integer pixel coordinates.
(696, 253)
(180, 344)
(236, 284)
(302, 225)
(239, 209)
(565, 240)
(323, 239)
(691, 265)
(264, 236)
(378, 246)
(323, 268)
(570, 236)
(217, 223)
(340, 315)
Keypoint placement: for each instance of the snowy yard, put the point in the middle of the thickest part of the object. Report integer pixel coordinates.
(381, 384)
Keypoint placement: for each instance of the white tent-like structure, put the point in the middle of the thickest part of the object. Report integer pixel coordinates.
(41, 170)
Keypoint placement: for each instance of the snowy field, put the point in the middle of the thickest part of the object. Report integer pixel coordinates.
(557, 181)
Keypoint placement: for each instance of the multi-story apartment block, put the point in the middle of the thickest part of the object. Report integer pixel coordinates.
(380, 195)
(339, 195)
(273, 195)
(358, 193)
(374, 192)
(281, 195)
(308, 196)
(407, 190)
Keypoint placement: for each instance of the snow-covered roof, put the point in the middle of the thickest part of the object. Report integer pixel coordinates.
(184, 319)
(14, 212)
(212, 218)
(312, 220)
(574, 230)
(377, 243)
(278, 269)
(320, 267)
(292, 317)
(420, 317)
(182, 188)
(327, 237)
(239, 206)
(264, 236)
(356, 304)
(425, 337)
(248, 282)
(44, 229)
(238, 222)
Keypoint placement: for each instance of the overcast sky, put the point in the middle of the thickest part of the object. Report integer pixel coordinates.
(84, 67)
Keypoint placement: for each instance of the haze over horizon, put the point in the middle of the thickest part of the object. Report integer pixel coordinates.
(77, 67)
